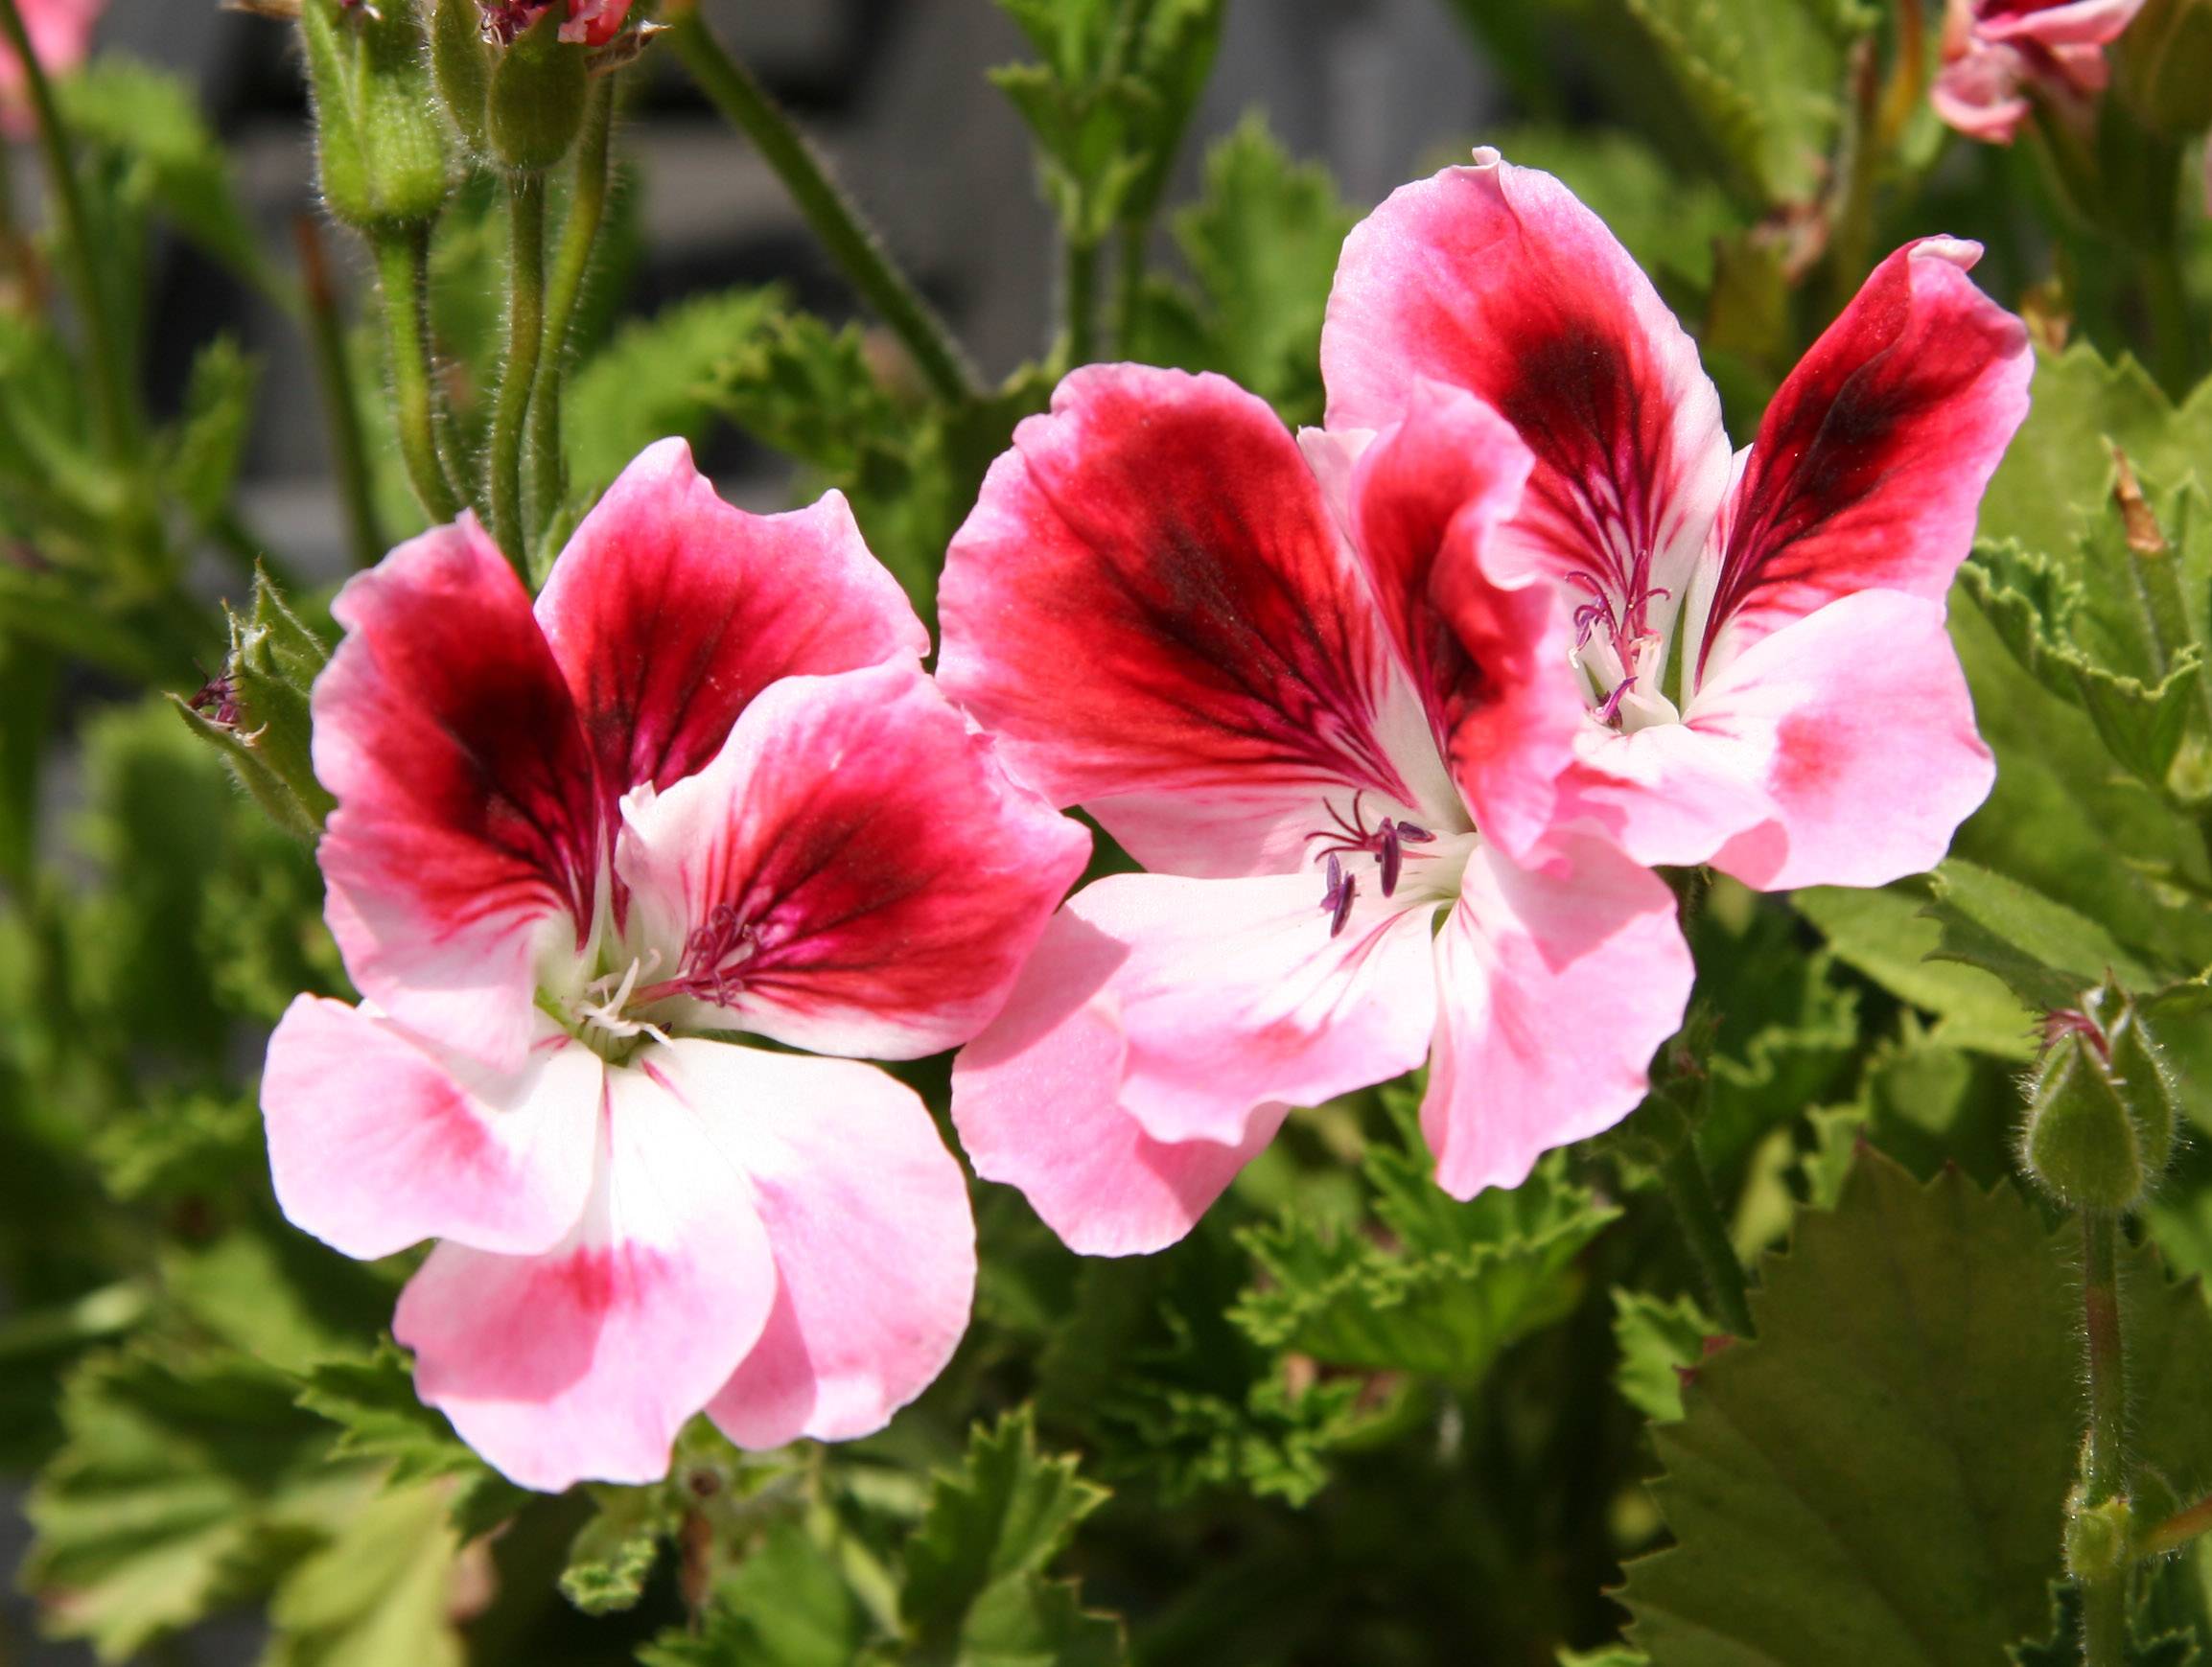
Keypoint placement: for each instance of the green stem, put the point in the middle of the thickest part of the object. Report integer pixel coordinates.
(1695, 1209)
(341, 406)
(1078, 302)
(2104, 1459)
(402, 270)
(545, 483)
(111, 376)
(851, 241)
(2177, 1530)
(525, 335)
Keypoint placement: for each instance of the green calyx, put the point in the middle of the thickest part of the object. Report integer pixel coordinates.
(536, 97)
(256, 712)
(2100, 1539)
(2101, 1106)
(461, 63)
(382, 147)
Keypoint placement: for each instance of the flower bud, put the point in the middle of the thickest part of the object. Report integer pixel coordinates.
(538, 89)
(2162, 66)
(462, 62)
(583, 23)
(255, 711)
(381, 146)
(2101, 1106)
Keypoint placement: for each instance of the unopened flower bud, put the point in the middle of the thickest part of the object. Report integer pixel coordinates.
(2101, 1105)
(382, 149)
(462, 62)
(538, 87)
(255, 711)
(2162, 66)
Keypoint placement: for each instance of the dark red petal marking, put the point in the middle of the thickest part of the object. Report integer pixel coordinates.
(670, 610)
(1496, 280)
(447, 733)
(853, 874)
(1150, 596)
(1869, 465)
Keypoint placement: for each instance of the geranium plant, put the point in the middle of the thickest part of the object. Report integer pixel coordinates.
(1315, 983)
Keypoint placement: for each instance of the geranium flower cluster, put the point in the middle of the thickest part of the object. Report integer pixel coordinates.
(2002, 56)
(1398, 716)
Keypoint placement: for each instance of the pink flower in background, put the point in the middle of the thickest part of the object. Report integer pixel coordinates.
(1761, 645)
(61, 34)
(704, 785)
(589, 22)
(1999, 55)
(1304, 702)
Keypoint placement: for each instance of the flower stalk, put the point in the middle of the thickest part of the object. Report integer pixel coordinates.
(525, 338)
(2103, 1578)
(545, 484)
(341, 410)
(402, 255)
(833, 217)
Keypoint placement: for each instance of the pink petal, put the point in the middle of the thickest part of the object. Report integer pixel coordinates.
(1870, 464)
(1153, 608)
(867, 1216)
(1982, 93)
(1426, 499)
(886, 876)
(1497, 280)
(1857, 723)
(1667, 796)
(1038, 1101)
(1229, 995)
(467, 835)
(1558, 985)
(2056, 23)
(379, 1140)
(583, 1363)
(670, 610)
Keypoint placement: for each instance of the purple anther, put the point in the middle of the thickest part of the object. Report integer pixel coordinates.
(1414, 836)
(1610, 712)
(1335, 872)
(1389, 855)
(217, 701)
(1341, 910)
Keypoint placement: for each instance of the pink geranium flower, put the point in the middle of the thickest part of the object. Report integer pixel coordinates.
(702, 787)
(61, 34)
(588, 22)
(1762, 646)
(1310, 708)
(2001, 55)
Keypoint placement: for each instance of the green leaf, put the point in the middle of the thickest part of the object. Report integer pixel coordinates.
(615, 1552)
(1885, 935)
(187, 1483)
(1455, 1284)
(1881, 1476)
(208, 442)
(1262, 242)
(2057, 471)
(152, 117)
(2045, 953)
(656, 379)
(808, 391)
(2061, 1645)
(1764, 75)
(1669, 222)
(974, 1590)
(785, 1604)
(380, 1417)
(379, 1594)
(1658, 1343)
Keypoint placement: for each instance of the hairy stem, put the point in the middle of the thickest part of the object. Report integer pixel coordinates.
(341, 409)
(1690, 1191)
(1078, 302)
(526, 336)
(403, 269)
(2104, 1456)
(545, 482)
(835, 219)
